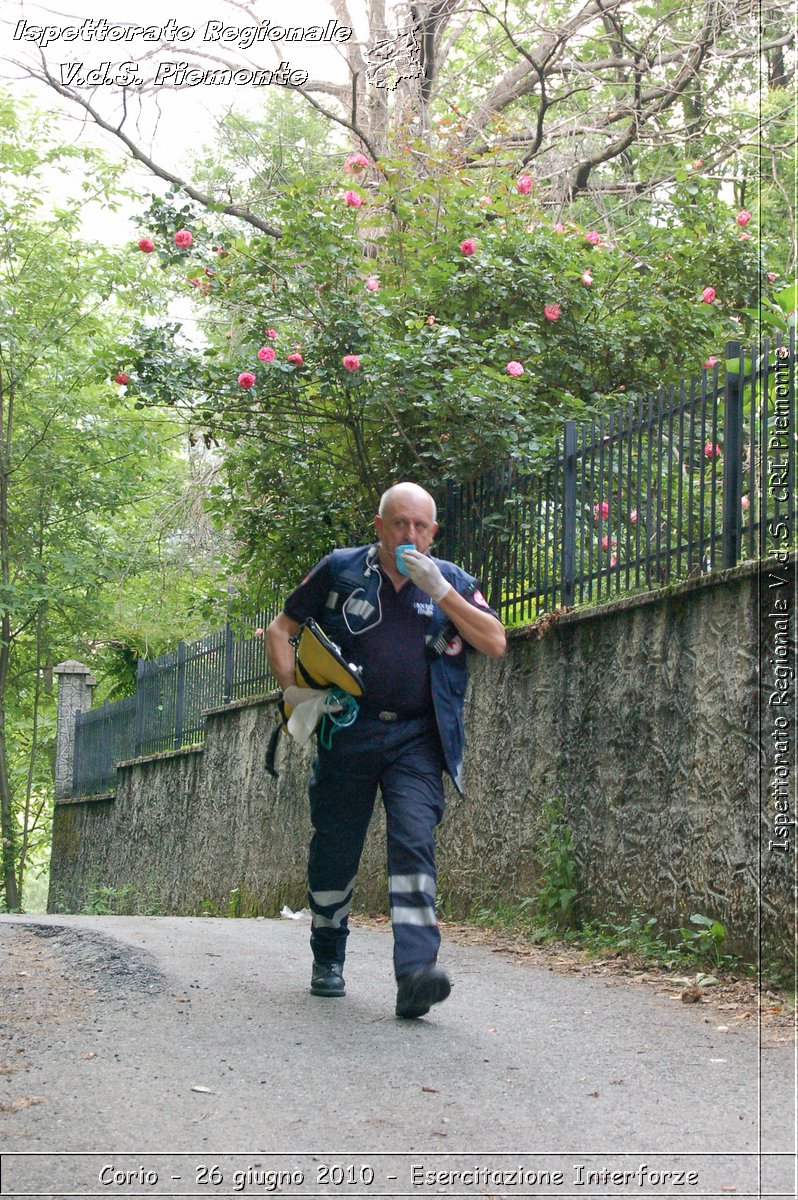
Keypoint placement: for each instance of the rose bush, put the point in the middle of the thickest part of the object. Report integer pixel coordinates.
(414, 378)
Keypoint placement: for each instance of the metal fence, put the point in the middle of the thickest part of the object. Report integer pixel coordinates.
(683, 483)
(172, 692)
(678, 485)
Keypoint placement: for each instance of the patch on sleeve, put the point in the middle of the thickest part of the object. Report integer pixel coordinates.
(479, 599)
(455, 646)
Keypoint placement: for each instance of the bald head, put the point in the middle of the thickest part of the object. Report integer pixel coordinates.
(410, 492)
(406, 516)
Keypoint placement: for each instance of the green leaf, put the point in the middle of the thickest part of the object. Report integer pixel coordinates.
(787, 298)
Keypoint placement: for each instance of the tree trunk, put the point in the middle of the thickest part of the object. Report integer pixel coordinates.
(7, 826)
(30, 823)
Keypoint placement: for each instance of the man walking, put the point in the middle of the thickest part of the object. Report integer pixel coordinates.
(406, 619)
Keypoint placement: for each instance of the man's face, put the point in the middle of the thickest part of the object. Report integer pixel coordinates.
(406, 519)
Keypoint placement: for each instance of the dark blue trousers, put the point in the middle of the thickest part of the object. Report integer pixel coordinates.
(405, 761)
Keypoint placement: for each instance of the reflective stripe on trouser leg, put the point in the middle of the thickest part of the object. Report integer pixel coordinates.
(342, 791)
(330, 911)
(412, 788)
(412, 899)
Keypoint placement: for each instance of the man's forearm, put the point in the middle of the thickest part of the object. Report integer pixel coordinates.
(480, 629)
(279, 651)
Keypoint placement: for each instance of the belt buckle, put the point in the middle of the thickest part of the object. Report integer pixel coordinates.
(388, 716)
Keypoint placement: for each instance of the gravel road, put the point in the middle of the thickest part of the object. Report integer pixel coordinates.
(185, 1056)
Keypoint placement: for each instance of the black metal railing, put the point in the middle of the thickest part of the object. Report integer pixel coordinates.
(685, 482)
(680, 484)
(166, 713)
(103, 736)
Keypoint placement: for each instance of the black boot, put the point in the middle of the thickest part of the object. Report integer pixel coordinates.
(328, 979)
(418, 991)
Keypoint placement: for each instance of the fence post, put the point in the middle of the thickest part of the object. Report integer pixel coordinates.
(228, 663)
(106, 750)
(448, 549)
(732, 457)
(139, 738)
(75, 683)
(180, 693)
(569, 514)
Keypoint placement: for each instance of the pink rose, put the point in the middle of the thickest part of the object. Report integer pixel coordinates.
(551, 312)
(698, 164)
(484, 201)
(771, 277)
(259, 632)
(745, 503)
(246, 379)
(743, 217)
(559, 227)
(593, 237)
(524, 185)
(633, 517)
(271, 333)
(745, 237)
(295, 359)
(351, 362)
(605, 542)
(614, 560)
(602, 510)
(183, 239)
(372, 283)
(146, 245)
(356, 162)
(468, 247)
(710, 363)
(353, 199)
(587, 279)
(514, 368)
(266, 354)
(711, 451)
(708, 295)
(121, 378)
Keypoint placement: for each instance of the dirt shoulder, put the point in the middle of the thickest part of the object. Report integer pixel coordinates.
(736, 1000)
(51, 982)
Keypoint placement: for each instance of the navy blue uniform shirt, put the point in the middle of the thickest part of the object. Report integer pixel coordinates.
(392, 653)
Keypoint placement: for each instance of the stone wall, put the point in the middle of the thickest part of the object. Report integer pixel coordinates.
(642, 717)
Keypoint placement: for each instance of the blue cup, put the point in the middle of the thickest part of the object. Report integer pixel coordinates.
(400, 557)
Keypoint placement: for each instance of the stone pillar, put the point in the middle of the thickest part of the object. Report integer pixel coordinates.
(74, 696)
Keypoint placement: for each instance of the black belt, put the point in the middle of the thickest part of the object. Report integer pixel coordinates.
(386, 715)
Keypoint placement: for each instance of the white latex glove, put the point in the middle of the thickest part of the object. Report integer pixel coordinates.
(308, 705)
(426, 574)
(294, 696)
(305, 717)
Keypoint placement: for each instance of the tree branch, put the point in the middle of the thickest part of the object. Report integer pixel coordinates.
(519, 80)
(231, 210)
(350, 125)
